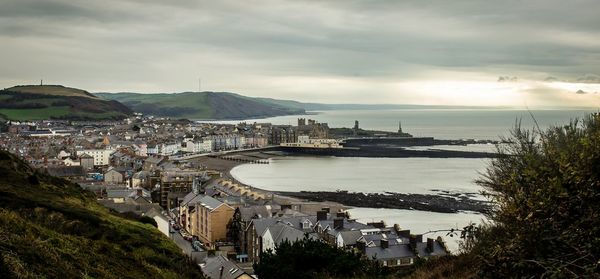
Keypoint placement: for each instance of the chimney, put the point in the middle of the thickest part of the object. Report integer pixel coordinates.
(362, 247)
(286, 206)
(379, 225)
(221, 272)
(321, 215)
(413, 242)
(419, 238)
(338, 223)
(430, 245)
(326, 209)
(404, 233)
(340, 214)
(384, 243)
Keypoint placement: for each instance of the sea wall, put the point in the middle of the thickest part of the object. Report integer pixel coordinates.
(384, 152)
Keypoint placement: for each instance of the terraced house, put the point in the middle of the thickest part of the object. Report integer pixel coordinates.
(205, 217)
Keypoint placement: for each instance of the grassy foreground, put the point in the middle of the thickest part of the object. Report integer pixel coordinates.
(50, 228)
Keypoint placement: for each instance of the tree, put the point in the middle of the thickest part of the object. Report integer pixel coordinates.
(234, 229)
(546, 220)
(311, 258)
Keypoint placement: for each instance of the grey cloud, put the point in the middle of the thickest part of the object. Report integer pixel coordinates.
(507, 79)
(589, 78)
(163, 43)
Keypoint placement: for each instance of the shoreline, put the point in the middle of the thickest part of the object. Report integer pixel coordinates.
(441, 201)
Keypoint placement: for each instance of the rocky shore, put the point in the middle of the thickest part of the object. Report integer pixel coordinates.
(444, 202)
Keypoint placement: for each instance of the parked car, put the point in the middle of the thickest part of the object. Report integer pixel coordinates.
(198, 246)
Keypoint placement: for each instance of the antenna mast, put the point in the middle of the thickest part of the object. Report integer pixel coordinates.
(199, 85)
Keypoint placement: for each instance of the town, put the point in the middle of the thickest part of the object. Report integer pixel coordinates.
(177, 173)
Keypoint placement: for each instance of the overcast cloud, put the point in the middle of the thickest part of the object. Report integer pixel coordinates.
(441, 52)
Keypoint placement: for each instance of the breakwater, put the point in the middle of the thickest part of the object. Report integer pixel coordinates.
(385, 152)
(443, 202)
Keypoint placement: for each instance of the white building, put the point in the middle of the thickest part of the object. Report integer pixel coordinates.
(305, 141)
(70, 162)
(101, 156)
(171, 148)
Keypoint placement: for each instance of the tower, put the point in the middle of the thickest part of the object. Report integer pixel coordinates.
(106, 141)
(399, 127)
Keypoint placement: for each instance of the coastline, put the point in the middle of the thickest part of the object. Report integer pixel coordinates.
(440, 202)
(224, 166)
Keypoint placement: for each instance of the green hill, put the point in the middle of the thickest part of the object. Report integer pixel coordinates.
(51, 228)
(36, 102)
(202, 105)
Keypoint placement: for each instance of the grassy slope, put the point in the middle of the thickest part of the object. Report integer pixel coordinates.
(35, 114)
(201, 105)
(51, 228)
(51, 90)
(34, 102)
(183, 105)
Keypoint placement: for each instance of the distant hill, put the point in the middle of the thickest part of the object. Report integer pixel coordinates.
(225, 105)
(36, 102)
(202, 105)
(51, 228)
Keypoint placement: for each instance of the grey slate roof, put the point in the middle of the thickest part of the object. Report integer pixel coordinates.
(438, 250)
(392, 252)
(206, 201)
(350, 237)
(66, 171)
(261, 225)
(282, 232)
(209, 202)
(212, 268)
(262, 211)
(125, 193)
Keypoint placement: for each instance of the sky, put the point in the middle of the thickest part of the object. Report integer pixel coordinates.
(460, 52)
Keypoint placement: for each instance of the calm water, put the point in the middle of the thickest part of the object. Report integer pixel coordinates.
(438, 123)
(407, 175)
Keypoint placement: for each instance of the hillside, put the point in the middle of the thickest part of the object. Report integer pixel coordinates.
(36, 102)
(51, 228)
(201, 105)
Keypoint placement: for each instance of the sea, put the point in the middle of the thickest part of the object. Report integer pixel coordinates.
(404, 175)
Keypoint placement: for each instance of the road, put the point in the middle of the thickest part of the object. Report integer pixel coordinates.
(185, 245)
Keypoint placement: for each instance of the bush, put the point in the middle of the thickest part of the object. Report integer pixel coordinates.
(546, 187)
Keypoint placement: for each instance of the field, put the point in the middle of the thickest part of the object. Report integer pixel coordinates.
(34, 102)
(35, 114)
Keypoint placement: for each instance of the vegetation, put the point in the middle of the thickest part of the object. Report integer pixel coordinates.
(51, 228)
(202, 105)
(547, 220)
(311, 258)
(36, 102)
(546, 223)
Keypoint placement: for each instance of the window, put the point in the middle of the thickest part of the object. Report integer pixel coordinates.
(384, 263)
